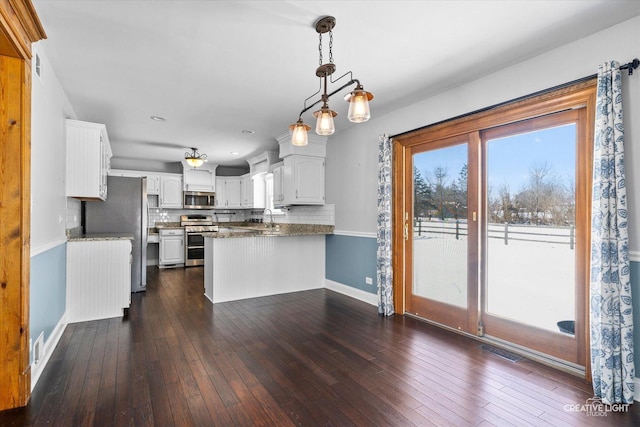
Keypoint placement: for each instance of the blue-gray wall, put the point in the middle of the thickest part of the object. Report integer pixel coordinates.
(350, 259)
(48, 291)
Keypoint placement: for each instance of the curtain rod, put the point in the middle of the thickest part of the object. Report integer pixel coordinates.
(628, 66)
(631, 65)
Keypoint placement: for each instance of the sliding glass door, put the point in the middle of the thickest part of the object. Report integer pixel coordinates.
(493, 241)
(530, 294)
(441, 244)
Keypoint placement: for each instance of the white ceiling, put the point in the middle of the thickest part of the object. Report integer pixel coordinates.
(215, 68)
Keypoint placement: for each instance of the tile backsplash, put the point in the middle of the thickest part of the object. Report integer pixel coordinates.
(323, 215)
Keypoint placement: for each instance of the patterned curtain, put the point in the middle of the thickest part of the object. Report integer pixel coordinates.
(385, 273)
(611, 313)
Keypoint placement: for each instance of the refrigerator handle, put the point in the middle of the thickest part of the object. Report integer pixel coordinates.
(145, 201)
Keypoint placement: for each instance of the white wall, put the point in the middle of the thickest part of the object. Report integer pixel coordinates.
(49, 108)
(352, 154)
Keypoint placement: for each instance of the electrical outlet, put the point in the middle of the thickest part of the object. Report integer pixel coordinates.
(368, 280)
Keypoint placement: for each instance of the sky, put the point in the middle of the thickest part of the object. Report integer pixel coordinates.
(510, 159)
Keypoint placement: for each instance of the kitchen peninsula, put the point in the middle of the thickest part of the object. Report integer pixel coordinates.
(247, 262)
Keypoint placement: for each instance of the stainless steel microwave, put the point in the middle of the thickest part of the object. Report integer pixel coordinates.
(198, 200)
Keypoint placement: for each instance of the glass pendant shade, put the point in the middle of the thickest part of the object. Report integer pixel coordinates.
(299, 134)
(194, 162)
(324, 124)
(359, 105)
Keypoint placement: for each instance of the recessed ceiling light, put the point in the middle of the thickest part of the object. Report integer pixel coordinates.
(235, 153)
(158, 118)
(248, 131)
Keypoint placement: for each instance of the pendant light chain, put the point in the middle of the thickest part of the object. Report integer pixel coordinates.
(331, 47)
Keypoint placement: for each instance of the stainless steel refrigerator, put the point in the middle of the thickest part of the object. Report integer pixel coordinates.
(124, 211)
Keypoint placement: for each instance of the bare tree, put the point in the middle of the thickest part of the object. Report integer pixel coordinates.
(537, 202)
(438, 181)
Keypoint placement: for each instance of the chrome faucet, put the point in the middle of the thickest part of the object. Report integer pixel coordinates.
(270, 225)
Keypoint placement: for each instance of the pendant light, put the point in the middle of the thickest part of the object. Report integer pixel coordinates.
(358, 99)
(299, 134)
(194, 159)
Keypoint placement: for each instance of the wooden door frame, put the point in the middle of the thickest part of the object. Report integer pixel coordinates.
(580, 94)
(444, 313)
(19, 27)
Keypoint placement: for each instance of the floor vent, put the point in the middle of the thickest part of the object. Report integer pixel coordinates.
(502, 353)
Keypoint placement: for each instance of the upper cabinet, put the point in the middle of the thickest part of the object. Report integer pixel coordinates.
(278, 186)
(153, 179)
(88, 160)
(153, 184)
(171, 191)
(228, 192)
(201, 179)
(246, 192)
(303, 180)
(300, 180)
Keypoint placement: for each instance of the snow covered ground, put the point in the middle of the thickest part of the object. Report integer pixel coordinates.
(528, 281)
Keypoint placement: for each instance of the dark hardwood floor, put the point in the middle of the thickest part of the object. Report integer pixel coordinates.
(308, 358)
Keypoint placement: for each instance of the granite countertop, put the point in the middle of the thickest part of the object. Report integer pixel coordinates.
(255, 230)
(165, 225)
(100, 236)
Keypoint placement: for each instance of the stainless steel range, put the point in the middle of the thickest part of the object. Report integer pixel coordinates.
(194, 226)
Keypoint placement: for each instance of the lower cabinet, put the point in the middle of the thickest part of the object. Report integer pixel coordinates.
(171, 251)
(98, 279)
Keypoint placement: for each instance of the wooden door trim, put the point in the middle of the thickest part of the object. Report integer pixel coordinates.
(19, 27)
(578, 95)
(399, 250)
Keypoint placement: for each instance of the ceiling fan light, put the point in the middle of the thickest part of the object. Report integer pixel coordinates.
(359, 105)
(299, 136)
(324, 124)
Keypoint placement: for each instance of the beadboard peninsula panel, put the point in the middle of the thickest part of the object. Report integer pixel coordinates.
(248, 267)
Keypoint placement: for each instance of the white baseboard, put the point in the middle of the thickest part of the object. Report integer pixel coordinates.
(49, 346)
(358, 294)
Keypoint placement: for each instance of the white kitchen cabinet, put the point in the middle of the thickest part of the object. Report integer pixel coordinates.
(171, 191)
(88, 160)
(278, 186)
(153, 184)
(98, 279)
(153, 179)
(228, 192)
(201, 179)
(246, 192)
(303, 180)
(171, 250)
